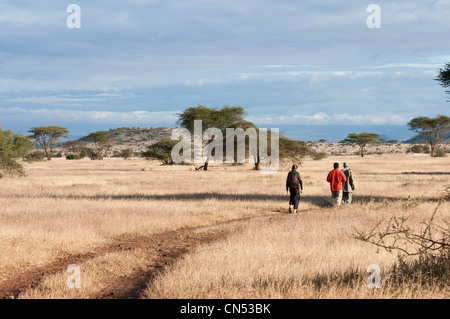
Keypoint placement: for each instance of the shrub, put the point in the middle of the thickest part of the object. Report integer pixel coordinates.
(440, 152)
(418, 148)
(59, 154)
(73, 157)
(161, 151)
(12, 146)
(126, 153)
(86, 152)
(430, 246)
(317, 156)
(36, 156)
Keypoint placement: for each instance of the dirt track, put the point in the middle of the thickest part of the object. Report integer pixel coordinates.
(163, 248)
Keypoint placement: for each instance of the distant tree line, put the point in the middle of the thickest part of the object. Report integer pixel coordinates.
(221, 119)
(16, 145)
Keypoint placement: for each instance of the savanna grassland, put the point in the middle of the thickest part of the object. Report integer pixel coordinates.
(137, 228)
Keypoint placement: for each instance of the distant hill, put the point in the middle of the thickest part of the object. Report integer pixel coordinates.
(421, 140)
(137, 138)
(388, 139)
(135, 135)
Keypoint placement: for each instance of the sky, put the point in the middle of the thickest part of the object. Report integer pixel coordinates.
(314, 69)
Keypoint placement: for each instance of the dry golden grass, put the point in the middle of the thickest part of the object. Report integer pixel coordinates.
(55, 210)
(66, 207)
(308, 256)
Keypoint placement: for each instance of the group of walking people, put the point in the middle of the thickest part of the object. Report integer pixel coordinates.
(341, 186)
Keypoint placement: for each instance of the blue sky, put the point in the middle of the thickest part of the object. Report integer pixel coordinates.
(291, 64)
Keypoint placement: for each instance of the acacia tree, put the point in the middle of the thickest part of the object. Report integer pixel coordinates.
(126, 153)
(432, 129)
(47, 136)
(293, 150)
(244, 132)
(12, 146)
(223, 118)
(362, 140)
(161, 151)
(444, 77)
(102, 141)
(75, 146)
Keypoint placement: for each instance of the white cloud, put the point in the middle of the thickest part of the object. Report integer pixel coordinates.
(94, 116)
(430, 62)
(322, 118)
(319, 57)
(19, 17)
(70, 99)
(309, 75)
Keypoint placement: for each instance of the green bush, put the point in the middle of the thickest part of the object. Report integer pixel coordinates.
(88, 152)
(440, 152)
(418, 148)
(317, 156)
(58, 155)
(12, 147)
(36, 156)
(161, 151)
(126, 153)
(73, 157)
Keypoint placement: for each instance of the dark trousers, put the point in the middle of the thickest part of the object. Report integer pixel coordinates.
(295, 197)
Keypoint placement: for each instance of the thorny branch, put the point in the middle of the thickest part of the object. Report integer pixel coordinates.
(397, 235)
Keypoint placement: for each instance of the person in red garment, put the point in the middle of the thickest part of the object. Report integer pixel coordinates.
(336, 178)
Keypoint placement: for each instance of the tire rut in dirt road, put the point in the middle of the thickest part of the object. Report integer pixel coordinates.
(164, 249)
(170, 248)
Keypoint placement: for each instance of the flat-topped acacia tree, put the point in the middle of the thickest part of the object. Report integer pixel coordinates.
(47, 136)
(432, 129)
(362, 140)
(222, 118)
(102, 141)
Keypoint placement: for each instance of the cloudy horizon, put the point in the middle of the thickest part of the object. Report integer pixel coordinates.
(289, 64)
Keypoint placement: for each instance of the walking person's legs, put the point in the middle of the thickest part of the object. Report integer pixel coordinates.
(345, 197)
(350, 195)
(291, 200)
(296, 201)
(337, 196)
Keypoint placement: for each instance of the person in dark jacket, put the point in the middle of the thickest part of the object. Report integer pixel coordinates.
(348, 186)
(294, 185)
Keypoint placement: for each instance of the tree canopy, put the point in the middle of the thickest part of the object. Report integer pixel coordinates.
(47, 136)
(443, 77)
(432, 129)
(226, 117)
(244, 131)
(12, 146)
(102, 143)
(222, 118)
(362, 140)
(161, 151)
(293, 150)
